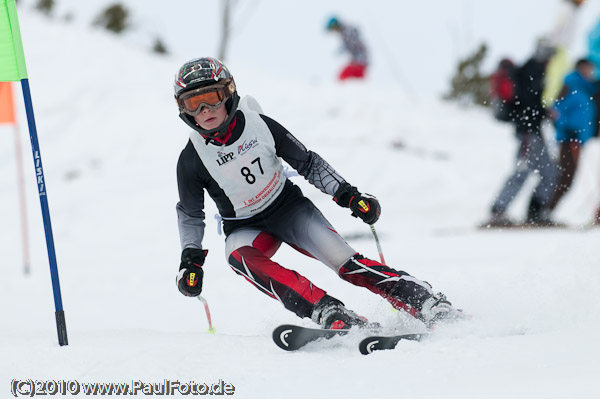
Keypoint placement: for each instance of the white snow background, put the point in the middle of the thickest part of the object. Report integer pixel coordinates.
(110, 138)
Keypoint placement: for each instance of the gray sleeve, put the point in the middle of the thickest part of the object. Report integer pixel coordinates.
(321, 175)
(191, 228)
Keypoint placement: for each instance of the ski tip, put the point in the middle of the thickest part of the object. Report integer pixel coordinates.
(281, 337)
(378, 343)
(291, 337)
(368, 346)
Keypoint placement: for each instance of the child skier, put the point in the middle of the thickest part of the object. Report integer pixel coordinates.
(235, 153)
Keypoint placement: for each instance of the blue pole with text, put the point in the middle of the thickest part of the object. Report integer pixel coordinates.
(41, 183)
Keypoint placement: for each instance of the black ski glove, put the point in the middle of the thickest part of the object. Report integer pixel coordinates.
(189, 279)
(364, 206)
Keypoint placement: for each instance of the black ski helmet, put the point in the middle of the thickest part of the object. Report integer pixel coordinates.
(200, 72)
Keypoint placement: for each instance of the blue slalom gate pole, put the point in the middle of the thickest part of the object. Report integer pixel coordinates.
(41, 183)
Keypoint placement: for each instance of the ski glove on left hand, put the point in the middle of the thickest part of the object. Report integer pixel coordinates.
(189, 279)
(364, 206)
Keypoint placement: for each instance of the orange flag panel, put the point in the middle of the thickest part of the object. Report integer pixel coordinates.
(7, 104)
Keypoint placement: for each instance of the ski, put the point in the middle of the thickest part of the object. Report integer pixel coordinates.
(379, 342)
(291, 337)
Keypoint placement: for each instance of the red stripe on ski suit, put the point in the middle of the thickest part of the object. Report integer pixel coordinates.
(274, 279)
(371, 279)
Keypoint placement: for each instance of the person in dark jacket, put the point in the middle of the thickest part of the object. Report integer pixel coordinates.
(574, 115)
(532, 153)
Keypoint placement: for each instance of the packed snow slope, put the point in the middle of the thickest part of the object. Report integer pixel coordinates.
(415, 45)
(110, 138)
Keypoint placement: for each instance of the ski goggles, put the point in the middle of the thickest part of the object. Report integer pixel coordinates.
(212, 97)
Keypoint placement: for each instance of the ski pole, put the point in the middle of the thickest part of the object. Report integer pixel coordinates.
(380, 253)
(378, 244)
(211, 328)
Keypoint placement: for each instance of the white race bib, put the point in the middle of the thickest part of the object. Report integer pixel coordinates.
(249, 170)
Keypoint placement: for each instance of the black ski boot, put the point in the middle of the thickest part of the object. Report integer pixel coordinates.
(331, 313)
(437, 309)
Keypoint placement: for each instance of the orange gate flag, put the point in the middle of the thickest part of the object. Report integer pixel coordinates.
(7, 105)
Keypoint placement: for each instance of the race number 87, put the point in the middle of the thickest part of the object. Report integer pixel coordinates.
(245, 171)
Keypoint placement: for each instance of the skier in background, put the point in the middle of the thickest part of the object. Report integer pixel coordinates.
(594, 57)
(574, 115)
(560, 38)
(532, 154)
(594, 48)
(352, 44)
(235, 153)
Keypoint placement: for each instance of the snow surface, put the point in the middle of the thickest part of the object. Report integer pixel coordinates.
(110, 138)
(415, 45)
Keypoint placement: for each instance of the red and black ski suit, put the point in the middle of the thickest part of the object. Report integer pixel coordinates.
(261, 209)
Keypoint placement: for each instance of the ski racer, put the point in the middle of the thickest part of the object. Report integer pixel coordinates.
(235, 154)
